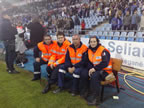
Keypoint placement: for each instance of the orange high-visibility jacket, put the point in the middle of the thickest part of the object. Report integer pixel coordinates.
(96, 58)
(46, 50)
(76, 55)
(59, 53)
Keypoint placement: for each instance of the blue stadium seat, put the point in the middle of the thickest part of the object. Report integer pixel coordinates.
(123, 36)
(116, 35)
(130, 39)
(100, 34)
(130, 36)
(105, 34)
(139, 37)
(110, 35)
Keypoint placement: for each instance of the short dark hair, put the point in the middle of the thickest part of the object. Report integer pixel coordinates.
(60, 33)
(98, 41)
(46, 35)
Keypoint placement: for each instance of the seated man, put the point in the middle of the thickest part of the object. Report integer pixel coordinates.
(45, 48)
(72, 64)
(58, 58)
(99, 66)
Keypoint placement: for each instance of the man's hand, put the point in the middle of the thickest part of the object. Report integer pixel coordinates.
(37, 59)
(52, 66)
(70, 70)
(91, 71)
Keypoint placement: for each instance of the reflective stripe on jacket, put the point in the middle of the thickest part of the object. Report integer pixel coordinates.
(96, 58)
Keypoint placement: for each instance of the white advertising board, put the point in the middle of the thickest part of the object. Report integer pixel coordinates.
(132, 53)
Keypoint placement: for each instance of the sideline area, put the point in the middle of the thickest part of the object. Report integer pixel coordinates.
(18, 91)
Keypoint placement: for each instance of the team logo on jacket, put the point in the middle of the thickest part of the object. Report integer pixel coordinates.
(99, 57)
(79, 55)
(63, 49)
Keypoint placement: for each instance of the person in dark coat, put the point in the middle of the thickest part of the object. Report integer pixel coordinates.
(7, 34)
(99, 65)
(36, 32)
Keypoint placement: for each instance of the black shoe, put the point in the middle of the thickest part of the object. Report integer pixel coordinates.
(13, 72)
(74, 93)
(34, 79)
(84, 95)
(46, 89)
(58, 90)
(93, 101)
(7, 70)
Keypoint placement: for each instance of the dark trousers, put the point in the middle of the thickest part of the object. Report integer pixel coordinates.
(134, 27)
(114, 27)
(10, 54)
(93, 82)
(53, 74)
(126, 27)
(37, 68)
(75, 77)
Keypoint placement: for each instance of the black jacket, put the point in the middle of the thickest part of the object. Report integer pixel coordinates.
(7, 32)
(36, 33)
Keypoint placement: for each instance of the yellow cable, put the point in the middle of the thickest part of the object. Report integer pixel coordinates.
(130, 85)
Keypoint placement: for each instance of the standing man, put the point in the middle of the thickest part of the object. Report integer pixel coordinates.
(135, 20)
(8, 37)
(45, 48)
(73, 65)
(56, 60)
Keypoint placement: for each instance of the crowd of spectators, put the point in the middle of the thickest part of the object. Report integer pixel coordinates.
(126, 15)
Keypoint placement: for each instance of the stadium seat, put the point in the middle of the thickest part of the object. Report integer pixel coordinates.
(123, 36)
(99, 34)
(130, 36)
(105, 34)
(110, 35)
(116, 35)
(139, 37)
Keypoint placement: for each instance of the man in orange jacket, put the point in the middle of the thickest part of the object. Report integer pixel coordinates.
(57, 59)
(73, 65)
(45, 48)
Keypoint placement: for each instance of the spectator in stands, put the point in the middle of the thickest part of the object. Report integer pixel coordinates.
(142, 21)
(7, 33)
(36, 32)
(111, 14)
(114, 22)
(127, 8)
(135, 20)
(76, 20)
(120, 23)
(127, 21)
(133, 7)
(83, 27)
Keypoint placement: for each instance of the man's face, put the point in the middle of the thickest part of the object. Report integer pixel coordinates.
(6, 16)
(47, 40)
(135, 12)
(76, 40)
(127, 13)
(60, 39)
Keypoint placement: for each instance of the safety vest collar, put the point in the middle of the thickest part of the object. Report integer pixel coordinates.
(72, 45)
